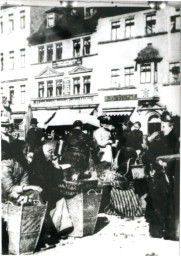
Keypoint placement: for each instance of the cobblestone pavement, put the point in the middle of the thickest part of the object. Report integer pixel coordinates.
(117, 236)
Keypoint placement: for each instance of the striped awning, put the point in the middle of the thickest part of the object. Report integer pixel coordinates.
(118, 112)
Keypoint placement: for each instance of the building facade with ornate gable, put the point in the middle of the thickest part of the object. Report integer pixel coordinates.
(124, 62)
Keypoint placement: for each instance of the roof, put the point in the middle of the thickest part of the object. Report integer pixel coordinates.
(69, 24)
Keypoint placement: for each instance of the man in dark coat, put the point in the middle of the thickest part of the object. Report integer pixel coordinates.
(136, 136)
(76, 150)
(159, 208)
(35, 136)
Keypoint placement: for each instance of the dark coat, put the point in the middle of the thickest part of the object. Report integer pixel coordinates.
(136, 139)
(76, 150)
(42, 173)
(33, 139)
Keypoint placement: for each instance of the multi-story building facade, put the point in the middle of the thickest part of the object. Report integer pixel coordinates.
(64, 64)
(139, 65)
(125, 63)
(16, 25)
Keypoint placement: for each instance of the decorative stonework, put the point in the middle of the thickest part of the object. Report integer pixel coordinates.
(48, 72)
(80, 69)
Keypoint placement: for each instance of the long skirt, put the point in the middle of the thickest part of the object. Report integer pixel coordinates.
(124, 203)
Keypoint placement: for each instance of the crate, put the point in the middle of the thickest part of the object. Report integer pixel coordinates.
(83, 209)
(24, 224)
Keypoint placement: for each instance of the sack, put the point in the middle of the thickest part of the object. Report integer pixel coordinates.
(60, 216)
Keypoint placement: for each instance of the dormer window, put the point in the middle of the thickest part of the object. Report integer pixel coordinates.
(50, 20)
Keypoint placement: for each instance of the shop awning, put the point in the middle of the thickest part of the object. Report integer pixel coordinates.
(68, 117)
(43, 117)
(118, 112)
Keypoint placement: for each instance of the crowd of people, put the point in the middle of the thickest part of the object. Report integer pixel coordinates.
(34, 168)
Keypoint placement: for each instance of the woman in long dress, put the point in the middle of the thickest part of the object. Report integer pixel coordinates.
(123, 200)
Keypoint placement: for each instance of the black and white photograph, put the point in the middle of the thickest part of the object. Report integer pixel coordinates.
(90, 127)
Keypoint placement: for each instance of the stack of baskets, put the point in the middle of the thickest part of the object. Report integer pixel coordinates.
(83, 201)
(24, 224)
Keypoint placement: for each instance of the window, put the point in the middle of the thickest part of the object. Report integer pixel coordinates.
(174, 72)
(129, 26)
(115, 77)
(150, 23)
(50, 20)
(128, 76)
(2, 62)
(50, 52)
(1, 24)
(175, 23)
(76, 48)
(59, 51)
(76, 84)
(41, 52)
(115, 30)
(59, 87)
(11, 94)
(2, 93)
(41, 89)
(22, 58)
(86, 46)
(11, 60)
(87, 84)
(145, 73)
(11, 22)
(49, 88)
(22, 94)
(22, 19)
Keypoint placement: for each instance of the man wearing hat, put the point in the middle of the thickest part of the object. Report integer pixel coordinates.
(34, 137)
(5, 124)
(160, 209)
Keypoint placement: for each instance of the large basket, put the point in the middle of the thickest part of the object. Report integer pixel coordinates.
(24, 224)
(72, 188)
(83, 209)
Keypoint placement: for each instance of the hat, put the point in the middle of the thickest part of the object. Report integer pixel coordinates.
(166, 117)
(77, 123)
(5, 121)
(104, 119)
(33, 121)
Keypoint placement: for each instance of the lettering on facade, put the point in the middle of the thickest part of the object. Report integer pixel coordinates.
(120, 97)
(66, 63)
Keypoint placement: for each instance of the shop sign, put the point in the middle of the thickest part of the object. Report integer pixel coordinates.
(66, 63)
(120, 97)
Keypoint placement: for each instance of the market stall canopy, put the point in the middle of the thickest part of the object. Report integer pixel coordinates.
(62, 118)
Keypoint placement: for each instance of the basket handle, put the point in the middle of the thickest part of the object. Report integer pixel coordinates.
(91, 190)
(9, 202)
(128, 165)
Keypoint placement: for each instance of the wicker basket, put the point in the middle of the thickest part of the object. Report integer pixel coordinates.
(83, 209)
(72, 188)
(24, 225)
